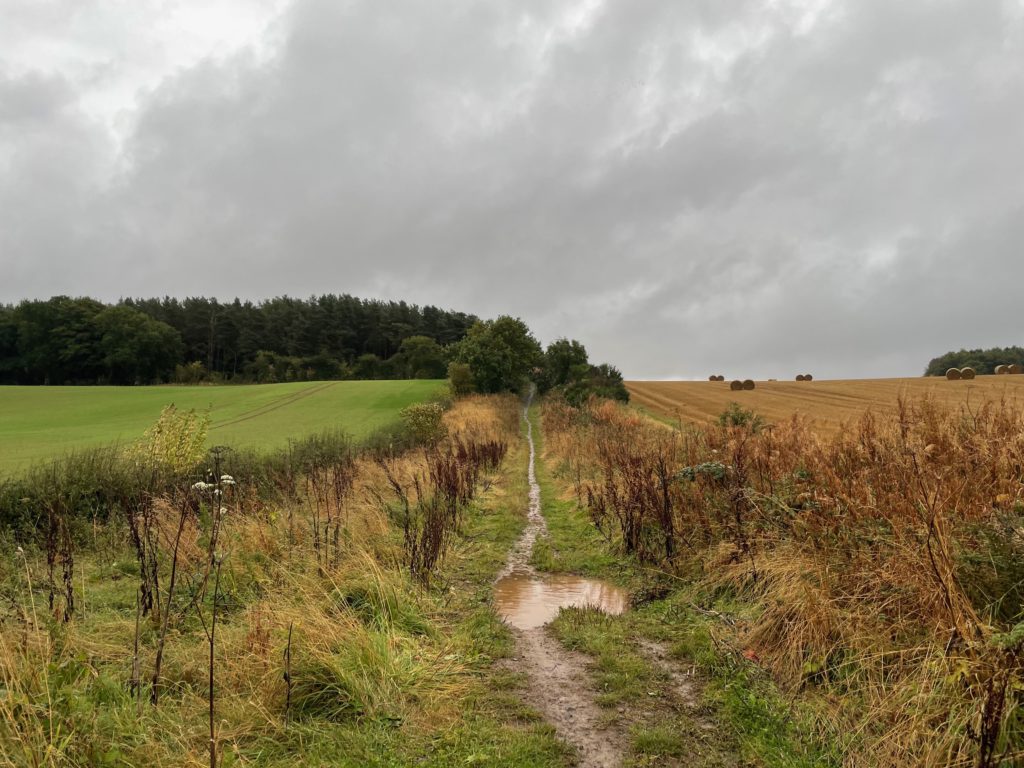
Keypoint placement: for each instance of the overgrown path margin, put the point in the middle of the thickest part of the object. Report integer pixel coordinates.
(560, 686)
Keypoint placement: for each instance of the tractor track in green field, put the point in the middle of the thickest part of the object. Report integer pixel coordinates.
(39, 424)
(275, 405)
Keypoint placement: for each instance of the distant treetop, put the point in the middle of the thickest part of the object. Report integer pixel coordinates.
(983, 361)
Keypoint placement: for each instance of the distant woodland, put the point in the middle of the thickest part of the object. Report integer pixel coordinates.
(66, 340)
(983, 361)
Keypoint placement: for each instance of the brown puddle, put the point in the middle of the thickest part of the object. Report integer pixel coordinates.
(527, 601)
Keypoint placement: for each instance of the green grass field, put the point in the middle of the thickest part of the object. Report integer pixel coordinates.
(41, 422)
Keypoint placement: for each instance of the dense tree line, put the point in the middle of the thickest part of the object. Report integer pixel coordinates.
(141, 341)
(83, 341)
(983, 361)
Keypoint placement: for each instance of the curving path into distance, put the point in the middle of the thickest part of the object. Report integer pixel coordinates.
(559, 684)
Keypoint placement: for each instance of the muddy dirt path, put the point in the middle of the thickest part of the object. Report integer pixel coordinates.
(560, 687)
(519, 557)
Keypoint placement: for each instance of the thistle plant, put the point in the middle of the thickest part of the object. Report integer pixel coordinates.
(210, 629)
(214, 492)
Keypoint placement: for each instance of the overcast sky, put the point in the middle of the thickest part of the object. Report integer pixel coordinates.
(749, 188)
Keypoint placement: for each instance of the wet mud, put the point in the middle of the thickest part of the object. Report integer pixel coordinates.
(559, 684)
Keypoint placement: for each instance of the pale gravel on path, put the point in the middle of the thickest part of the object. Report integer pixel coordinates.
(560, 687)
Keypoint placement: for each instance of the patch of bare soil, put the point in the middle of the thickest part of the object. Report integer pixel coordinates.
(561, 689)
(686, 685)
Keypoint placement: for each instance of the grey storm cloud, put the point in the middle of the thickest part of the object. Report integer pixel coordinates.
(754, 188)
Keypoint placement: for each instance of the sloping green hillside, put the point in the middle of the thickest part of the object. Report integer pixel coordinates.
(39, 422)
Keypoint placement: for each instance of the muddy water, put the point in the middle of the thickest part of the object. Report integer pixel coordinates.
(560, 685)
(527, 602)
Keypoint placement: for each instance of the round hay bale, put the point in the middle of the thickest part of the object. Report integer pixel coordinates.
(799, 377)
(967, 373)
(735, 385)
(1015, 368)
(712, 377)
(1002, 369)
(721, 377)
(808, 377)
(748, 384)
(953, 374)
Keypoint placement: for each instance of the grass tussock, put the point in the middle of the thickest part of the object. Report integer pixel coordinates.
(880, 566)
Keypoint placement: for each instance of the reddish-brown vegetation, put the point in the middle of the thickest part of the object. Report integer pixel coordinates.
(885, 559)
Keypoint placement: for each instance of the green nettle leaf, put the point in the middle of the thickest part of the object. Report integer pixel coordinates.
(812, 667)
(1012, 639)
(714, 470)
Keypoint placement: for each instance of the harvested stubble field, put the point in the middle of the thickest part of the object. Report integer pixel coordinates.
(827, 403)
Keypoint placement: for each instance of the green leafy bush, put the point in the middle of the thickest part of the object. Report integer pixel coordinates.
(425, 423)
(738, 416)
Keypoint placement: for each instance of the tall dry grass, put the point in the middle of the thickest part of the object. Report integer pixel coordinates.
(324, 574)
(886, 562)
